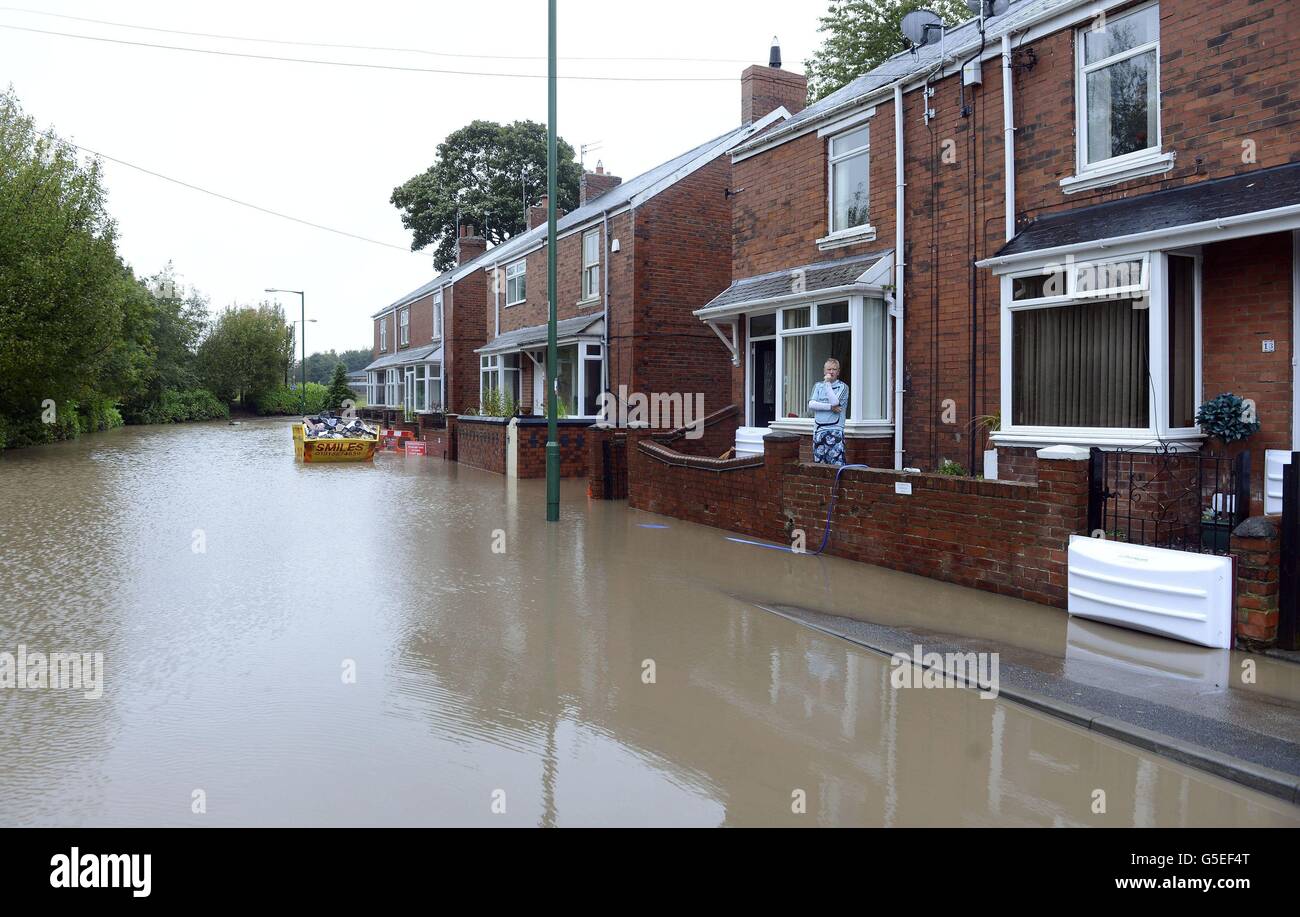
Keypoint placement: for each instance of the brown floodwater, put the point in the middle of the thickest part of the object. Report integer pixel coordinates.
(230, 590)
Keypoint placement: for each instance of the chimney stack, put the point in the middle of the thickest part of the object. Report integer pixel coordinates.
(537, 212)
(765, 89)
(593, 184)
(470, 244)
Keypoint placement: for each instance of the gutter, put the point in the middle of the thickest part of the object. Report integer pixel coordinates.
(1008, 137)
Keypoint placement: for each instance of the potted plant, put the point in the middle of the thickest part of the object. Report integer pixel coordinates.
(1227, 418)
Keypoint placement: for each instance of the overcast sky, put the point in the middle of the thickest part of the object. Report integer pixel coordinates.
(328, 144)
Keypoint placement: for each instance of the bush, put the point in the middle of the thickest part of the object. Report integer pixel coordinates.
(338, 390)
(175, 406)
(1227, 417)
(285, 400)
(98, 413)
(950, 467)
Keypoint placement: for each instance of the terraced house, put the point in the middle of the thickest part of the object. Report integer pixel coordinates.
(633, 260)
(1067, 222)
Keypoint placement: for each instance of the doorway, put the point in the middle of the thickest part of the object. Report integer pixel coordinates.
(762, 397)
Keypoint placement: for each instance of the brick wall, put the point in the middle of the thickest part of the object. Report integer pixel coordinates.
(573, 440)
(1001, 536)
(606, 464)
(1257, 547)
(481, 443)
(464, 330)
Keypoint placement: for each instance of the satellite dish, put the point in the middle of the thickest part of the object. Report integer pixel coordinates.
(919, 25)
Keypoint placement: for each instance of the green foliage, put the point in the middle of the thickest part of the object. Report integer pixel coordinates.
(562, 408)
(950, 467)
(320, 366)
(338, 389)
(1228, 418)
(246, 353)
(281, 399)
(175, 406)
(862, 34)
(482, 163)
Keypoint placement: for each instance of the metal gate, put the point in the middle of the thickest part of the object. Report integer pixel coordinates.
(1188, 501)
(1288, 627)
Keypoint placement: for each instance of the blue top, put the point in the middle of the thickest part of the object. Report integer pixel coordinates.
(822, 391)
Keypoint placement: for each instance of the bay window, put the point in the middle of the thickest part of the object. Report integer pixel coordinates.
(1102, 352)
(500, 372)
(424, 387)
(1119, 87)
(855, 331)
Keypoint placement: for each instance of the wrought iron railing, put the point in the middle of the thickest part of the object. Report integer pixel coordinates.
(1168, 498)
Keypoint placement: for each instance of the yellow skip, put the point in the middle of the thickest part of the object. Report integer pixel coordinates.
(313, 451)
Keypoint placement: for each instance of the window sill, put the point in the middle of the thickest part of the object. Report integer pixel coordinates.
(589, 301)
(1105, 176)
(847, 237)
(1135, 440)
(517, 302)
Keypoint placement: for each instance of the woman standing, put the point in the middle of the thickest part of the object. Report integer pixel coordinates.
(829, 401)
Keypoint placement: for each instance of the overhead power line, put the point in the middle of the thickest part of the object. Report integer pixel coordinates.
(356, 64)
(224, 197)
(327, 44)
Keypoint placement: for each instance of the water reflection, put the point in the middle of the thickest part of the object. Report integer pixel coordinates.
(517, 680)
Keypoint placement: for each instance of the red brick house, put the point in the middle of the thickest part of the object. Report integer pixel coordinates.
(424, 360)
(1078, 218)
(634, 259)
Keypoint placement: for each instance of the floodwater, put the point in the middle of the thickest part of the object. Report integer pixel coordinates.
(232, 591)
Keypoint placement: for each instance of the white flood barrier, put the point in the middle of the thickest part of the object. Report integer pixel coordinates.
(749, 440)
(1174, 594)
(1274, 460)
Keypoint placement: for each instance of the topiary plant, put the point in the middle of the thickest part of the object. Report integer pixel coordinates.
(1227, 418)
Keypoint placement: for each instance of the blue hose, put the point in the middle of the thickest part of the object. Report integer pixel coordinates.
(826, 533)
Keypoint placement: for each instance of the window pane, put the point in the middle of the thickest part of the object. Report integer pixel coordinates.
(1121, 33)
(760, 325)
(566, 368)
(1081, 365)
(803, 358)
(875, 361)
(1122, 107)
(591, 387)
(796, 318)
(1107, 275)
(845, 143)
(1182, 341)
(1038, 286)
(834, 313)
(590, 248)
(849, 190)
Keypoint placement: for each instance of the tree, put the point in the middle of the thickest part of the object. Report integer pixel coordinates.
(488, 167)
(245, 353)
(177, 319)
(339, 391)
(320, 365)
(862, 34)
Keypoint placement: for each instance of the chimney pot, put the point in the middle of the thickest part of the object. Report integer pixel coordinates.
(774, 55)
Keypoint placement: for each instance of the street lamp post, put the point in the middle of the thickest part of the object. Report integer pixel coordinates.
(303, 297)
(552, 436)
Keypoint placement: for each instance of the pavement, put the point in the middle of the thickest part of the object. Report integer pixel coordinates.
(1232, 714)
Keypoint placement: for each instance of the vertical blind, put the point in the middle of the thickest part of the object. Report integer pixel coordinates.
(1081, 365)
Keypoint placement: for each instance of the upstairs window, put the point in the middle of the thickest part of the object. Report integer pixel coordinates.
(383, 334)
(591, 264)
(405, 337)
(437, 317)
(516, 282)
(849, 179)
(1119, 86)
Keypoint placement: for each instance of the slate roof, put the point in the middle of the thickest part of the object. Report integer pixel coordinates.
(536, 334)
(430, 354)
(823, 275)
(1249, 192)
(906, 63)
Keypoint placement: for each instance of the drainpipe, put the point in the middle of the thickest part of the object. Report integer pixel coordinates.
(1008, 137)
(899, 266)
(604, 291)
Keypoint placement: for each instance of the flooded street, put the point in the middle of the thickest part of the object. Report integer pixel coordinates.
(231, 590)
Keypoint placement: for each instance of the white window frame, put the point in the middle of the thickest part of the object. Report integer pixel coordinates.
(437, 317)
(588, 352)
(404, 335)
(383, 334)
(591, 269)
(856, 424)
(1154, 273)
(863, 232)
(517, 271)
(1113, 169)
(390, 388)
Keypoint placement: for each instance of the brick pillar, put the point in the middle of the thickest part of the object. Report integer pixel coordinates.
(597, 470)
(1063, 486)
(1257, 546)
(780, 458)
(452, 430)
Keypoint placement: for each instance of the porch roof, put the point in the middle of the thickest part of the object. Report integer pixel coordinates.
(430, 354)
(566, 330)
(1258, 192)
(862, 273)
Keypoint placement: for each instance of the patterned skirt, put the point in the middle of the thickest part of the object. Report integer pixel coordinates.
(828, 445)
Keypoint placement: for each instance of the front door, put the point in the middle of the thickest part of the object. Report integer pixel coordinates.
(763, 384)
